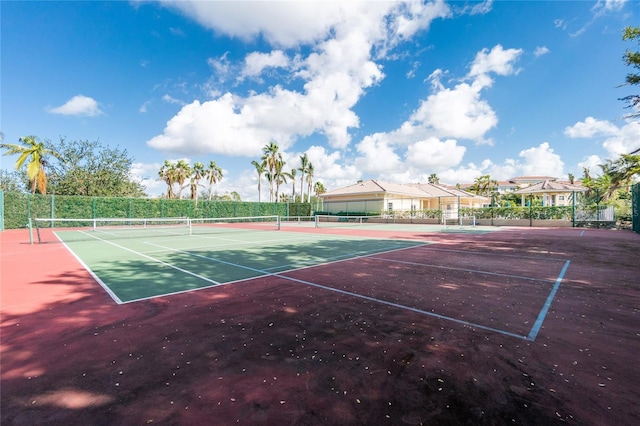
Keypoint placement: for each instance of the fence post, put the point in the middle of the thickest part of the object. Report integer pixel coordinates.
(598, 208)
(573, 209)
(531, 210)
(1, 210)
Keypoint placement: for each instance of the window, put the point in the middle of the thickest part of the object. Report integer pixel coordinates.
(390, 207)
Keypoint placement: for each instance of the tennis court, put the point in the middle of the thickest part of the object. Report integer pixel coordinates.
(293, 323)
(149, 258)
(133, 264)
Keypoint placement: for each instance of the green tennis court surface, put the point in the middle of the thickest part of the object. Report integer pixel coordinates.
(135, 266)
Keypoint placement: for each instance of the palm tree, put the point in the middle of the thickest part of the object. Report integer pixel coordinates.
(36, 152)
(260, 168)
(280, 176)
(167, 174)
(198, 173)
(484, 186)
(182, 173)
(214, 175)
(304, 165)
(270, 157)
(309, 180)
(292, 175)
(434, 179)
(319, 189)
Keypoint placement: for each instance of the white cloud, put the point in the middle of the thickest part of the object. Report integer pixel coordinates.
(459, 113)
(377, 155)
(497, 60)
(626, 140)
(79, 105)
(256, 62)
(540, 50)
(618, 140)
(434, 155)
(589, 128)
(541, 160)
(592, 163)
(341, 37)
(171, 100)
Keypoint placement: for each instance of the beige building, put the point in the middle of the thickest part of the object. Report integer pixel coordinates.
(553, 193)
(379, 197)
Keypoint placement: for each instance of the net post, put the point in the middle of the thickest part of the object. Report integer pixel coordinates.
(278, 222)
(317, 221)
(30, 227)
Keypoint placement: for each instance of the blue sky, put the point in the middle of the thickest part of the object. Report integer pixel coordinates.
(384, 90)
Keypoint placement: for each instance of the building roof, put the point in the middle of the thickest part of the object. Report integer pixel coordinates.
(417, 190)
(550, 186)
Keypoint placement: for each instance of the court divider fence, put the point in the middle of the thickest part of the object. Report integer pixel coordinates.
(17, 208)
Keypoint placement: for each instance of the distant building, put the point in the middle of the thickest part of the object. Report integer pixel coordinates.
(376, 197)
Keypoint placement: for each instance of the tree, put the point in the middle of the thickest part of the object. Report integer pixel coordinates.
(319, 189)
(434, 179)
(182, 172)
(632, 58)
(198, 173)
(15, 181)
(270, 157)
(309, 180)
(304, 166)
(36, 152)
(484, 186)
(280, 175)
(260, 168)
(213, 175)
(167, 174)
(93, 169)
(292, 175)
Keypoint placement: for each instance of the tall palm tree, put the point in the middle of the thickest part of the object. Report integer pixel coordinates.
(434, 179)
(260, 168)
(214, 175)
(309, 181)
(304, 165)
(270, 156)
(280, 176)
(319, 189)
(182, 173)
(198, 173)
(35, 152)
(167, 174)
(292, 175)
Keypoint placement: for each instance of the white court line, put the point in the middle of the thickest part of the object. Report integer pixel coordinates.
(475, 271)
(359, 296)
(485, 253)
(154, 259)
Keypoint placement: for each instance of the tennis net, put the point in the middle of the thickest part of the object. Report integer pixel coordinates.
(233, 224)
(107, 228)
(336, 220)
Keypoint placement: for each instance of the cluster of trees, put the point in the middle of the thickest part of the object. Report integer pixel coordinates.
(177, 173)
(70, 168)
(272, 166)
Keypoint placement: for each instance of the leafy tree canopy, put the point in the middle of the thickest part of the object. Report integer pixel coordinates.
(632, 58)
(93, 169)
